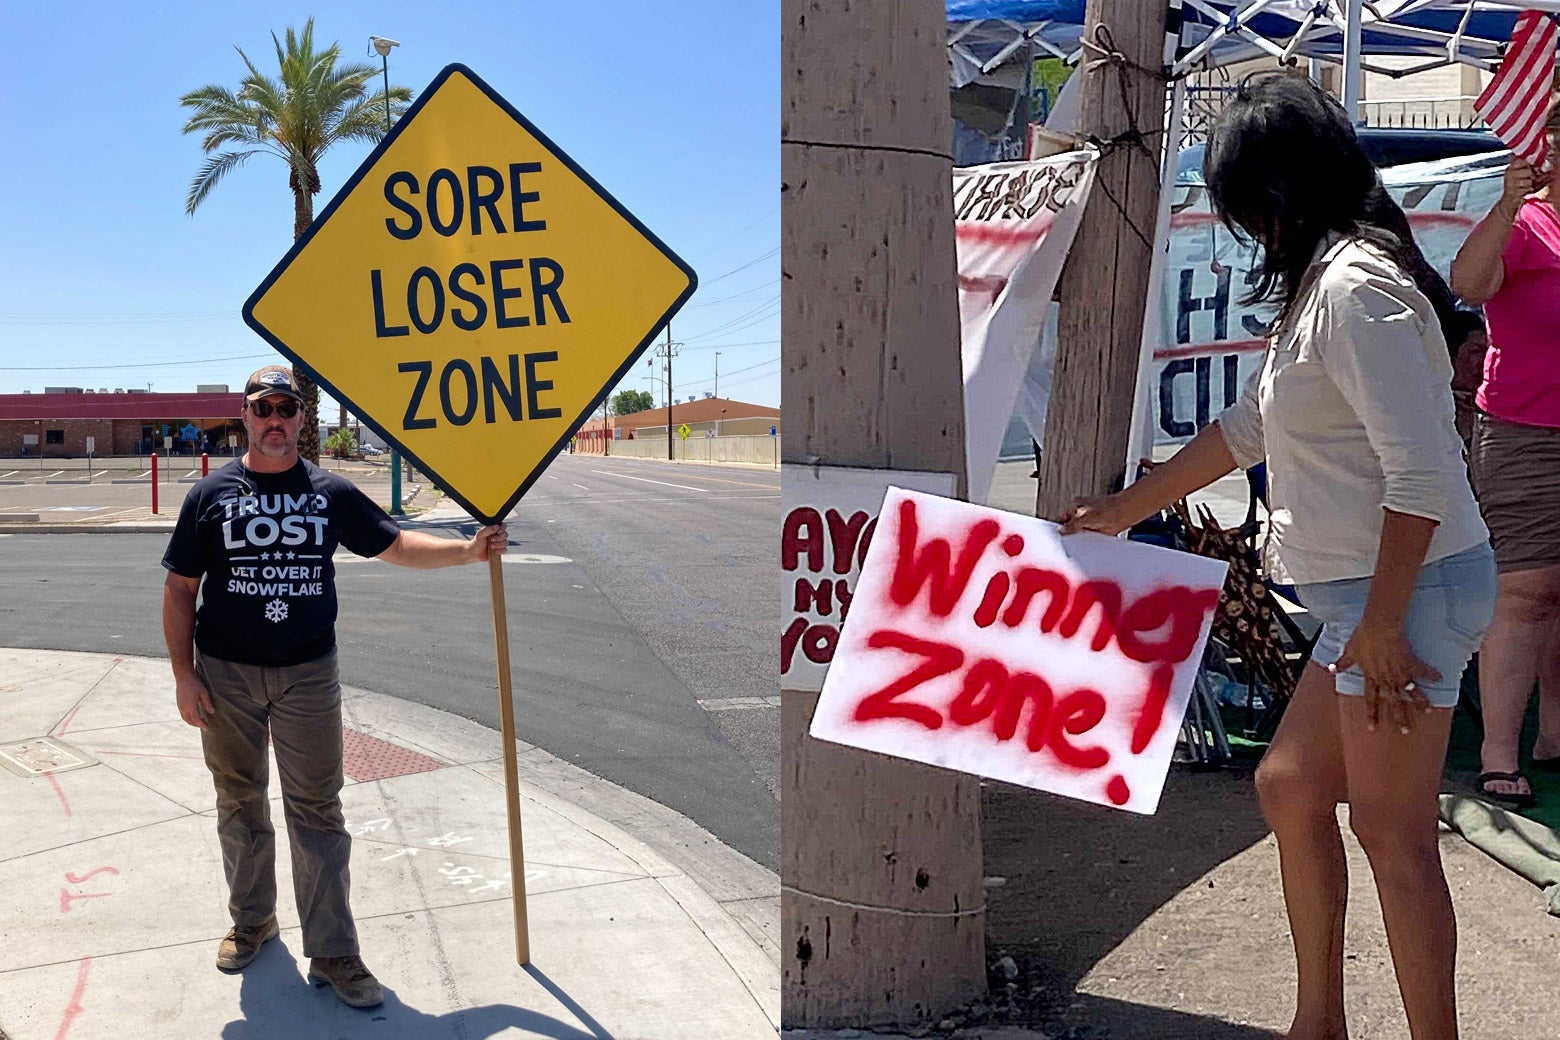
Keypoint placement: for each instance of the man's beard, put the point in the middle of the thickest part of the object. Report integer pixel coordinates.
(277, 451)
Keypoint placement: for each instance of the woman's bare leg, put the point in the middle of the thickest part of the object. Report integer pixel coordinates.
(1526, 612)
(1301, 781)
(1548, 743)
(1394, 779)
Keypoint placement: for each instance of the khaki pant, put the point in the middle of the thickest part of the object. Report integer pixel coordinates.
(301, 706)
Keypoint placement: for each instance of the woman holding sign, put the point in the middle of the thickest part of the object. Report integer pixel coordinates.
(1511, 265)
(1371, 518)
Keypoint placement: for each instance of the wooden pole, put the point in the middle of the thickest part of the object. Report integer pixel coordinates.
(1088, 423)
(882, 905)
(506, 715)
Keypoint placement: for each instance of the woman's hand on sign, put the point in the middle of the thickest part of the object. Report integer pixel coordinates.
(489, 540)
(1518, 183)
(1392, 673)
(1102, 514)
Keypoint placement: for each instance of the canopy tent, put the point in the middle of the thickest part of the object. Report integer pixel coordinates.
(985, 35)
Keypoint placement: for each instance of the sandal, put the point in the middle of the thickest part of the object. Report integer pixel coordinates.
(1516, 801)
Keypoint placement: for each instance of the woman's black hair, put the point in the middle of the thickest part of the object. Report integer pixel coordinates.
(1284, 165)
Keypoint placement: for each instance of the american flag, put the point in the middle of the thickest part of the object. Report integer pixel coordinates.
(1517, 99)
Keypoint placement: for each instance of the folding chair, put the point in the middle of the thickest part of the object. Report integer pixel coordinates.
(1202, 729)
(1301, 644)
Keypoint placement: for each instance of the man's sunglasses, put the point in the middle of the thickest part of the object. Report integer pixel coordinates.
(263, 409)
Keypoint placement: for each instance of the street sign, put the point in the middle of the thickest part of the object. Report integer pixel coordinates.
(683, 431)
(471, 293)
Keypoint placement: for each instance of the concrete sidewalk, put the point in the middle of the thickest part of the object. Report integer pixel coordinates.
(642, 925)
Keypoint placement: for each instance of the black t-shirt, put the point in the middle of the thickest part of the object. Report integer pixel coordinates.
(264, 542)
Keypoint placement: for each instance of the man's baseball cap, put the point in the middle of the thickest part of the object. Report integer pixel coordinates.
(270, 381)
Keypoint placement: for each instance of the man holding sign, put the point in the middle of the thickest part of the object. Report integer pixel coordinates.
(258, 659)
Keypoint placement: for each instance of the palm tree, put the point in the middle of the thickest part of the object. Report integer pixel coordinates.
(313, 104)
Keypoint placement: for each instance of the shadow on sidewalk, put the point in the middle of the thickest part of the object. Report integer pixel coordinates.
(1080, 879)
(1102, 1018)
(276, 1000)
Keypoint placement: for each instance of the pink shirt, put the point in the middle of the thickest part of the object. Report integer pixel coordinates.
(1522, 369)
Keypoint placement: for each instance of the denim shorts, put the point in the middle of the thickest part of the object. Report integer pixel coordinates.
(1451, 609)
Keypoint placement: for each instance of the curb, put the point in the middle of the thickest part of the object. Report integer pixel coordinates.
(166, 528)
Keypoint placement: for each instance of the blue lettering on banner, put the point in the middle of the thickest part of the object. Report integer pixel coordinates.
(1202, 369)
(1218, 304)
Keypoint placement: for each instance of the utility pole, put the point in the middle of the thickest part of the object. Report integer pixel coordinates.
(717, 374)
(667, 352)
(882, 907)
(669, 452)
(382, 48)
(1105, 282)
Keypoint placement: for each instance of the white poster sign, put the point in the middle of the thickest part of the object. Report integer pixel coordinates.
(829, 514)
(984, 641)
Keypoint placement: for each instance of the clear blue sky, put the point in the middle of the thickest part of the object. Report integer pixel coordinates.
(105, 282)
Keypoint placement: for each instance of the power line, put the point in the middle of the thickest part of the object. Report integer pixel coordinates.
(770, 312)
(739, 234)
(119, 319)
(735, 296)
(721, 346)
(730, 323)
(757, 259)
(699, 382)
(133, 364)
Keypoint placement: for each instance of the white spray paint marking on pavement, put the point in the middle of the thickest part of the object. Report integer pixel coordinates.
(647, 480)
(738, 703)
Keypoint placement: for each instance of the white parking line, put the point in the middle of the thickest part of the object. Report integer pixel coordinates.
(647, 480)
(582, 487)
(54, 474)
(738, 703)
(13, 473)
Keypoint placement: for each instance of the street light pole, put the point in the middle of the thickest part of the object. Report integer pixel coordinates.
(382, 48)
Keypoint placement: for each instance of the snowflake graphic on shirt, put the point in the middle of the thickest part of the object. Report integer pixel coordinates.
(276, 611)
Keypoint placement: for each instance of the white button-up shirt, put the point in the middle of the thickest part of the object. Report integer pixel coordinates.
(1352, 410)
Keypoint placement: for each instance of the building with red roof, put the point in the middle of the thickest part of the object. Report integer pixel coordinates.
(57, 423)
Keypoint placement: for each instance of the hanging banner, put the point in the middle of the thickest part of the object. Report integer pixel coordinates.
(1213, 343)
(1013, 225)
(984, 641)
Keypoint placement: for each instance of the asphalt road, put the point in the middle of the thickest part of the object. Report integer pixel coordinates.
(641, 602)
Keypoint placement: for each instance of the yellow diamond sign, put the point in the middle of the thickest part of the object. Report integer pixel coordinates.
(471, 294)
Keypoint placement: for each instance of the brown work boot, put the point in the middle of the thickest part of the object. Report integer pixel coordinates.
(241, 944)
(349, 977)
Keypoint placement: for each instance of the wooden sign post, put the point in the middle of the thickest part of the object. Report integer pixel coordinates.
(506, 717)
